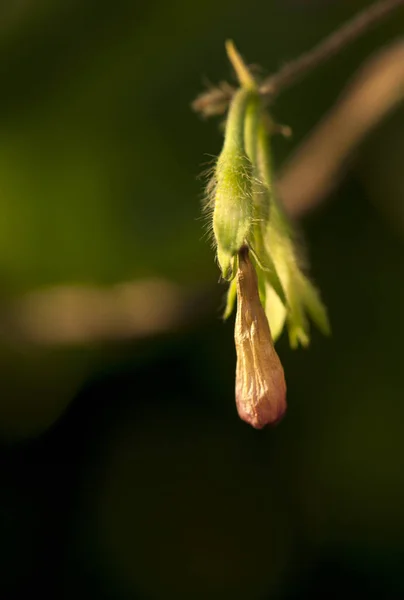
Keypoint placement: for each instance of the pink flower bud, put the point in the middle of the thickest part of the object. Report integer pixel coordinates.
(260, 381)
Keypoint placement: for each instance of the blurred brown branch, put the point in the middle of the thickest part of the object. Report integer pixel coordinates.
(312, 171)
(74, 314)
(215, 100)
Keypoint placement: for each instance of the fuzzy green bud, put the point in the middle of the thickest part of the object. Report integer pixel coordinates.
(233, 209)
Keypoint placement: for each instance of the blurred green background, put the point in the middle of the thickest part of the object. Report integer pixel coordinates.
(125, 471)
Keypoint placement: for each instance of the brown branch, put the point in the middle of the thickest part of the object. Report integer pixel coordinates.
(326, 49)
(215, 100)
(314, 168)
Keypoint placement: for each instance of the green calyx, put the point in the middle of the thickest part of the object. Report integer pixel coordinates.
(232, 188)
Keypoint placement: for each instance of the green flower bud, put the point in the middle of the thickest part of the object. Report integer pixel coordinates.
(232, 188)
(232, 215)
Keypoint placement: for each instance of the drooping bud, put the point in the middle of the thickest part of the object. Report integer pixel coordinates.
(260, 381)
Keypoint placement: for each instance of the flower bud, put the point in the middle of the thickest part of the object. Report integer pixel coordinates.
(260, 381)
(232, 188)
(232, 215)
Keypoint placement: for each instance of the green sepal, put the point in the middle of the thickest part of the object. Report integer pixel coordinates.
(313, 304)
(268, 268)
(231, 299)
(275, 311)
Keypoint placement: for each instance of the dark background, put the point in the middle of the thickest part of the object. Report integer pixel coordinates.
(124, 469)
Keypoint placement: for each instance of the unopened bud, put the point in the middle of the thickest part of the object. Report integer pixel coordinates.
(260, 381)
(232, 188)
(232, 215)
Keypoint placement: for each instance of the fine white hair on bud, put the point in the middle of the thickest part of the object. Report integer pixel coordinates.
(260, 381)
(231, 188)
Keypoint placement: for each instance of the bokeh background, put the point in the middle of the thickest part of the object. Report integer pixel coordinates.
(125, 471)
